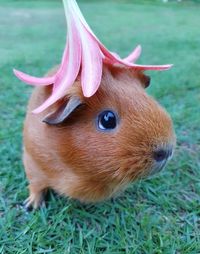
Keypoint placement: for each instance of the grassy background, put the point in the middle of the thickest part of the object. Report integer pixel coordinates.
(159, 215)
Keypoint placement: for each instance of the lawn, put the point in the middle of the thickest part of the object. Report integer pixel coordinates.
(158, 215)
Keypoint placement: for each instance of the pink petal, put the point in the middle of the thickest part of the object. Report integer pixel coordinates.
(79, 16)
(91, 65)
(134, 55)
(70, 65)
(45, 81)
(151, 67)
(62, 68)
(115, 60)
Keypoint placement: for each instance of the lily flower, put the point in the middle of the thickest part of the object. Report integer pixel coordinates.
(84, 54)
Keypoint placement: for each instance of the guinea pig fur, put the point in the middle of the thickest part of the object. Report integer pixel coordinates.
(68, 148)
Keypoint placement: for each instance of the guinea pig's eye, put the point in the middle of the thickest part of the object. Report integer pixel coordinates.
(147, 81)
(107, 120)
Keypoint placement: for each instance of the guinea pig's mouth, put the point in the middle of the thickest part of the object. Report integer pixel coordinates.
(158, 167)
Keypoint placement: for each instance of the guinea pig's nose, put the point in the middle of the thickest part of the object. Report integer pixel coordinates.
(162, 154)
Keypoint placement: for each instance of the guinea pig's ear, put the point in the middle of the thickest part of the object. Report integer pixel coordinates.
(63, 112)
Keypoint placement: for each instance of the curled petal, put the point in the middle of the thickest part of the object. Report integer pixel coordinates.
(134, 55)
(30, 80)
(115, 60)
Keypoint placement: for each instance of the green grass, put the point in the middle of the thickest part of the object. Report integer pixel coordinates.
(158, 215)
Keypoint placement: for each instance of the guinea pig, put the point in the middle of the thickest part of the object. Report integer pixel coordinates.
(91, 148)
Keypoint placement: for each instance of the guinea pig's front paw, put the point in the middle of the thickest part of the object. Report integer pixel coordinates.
(34, 201)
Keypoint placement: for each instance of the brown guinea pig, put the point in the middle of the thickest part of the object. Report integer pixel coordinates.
(90, 148)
